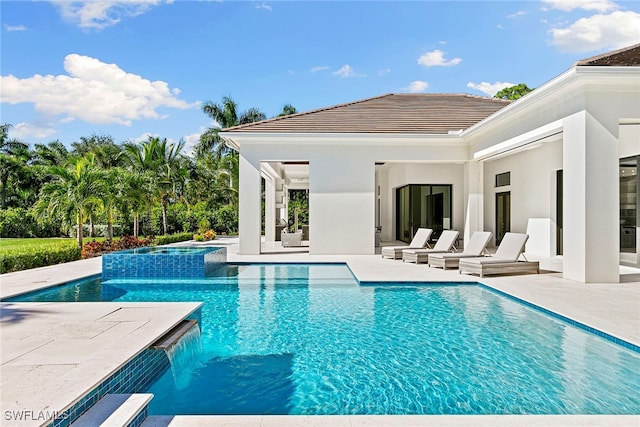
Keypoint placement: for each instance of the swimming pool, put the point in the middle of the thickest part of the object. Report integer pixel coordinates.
(307, 339)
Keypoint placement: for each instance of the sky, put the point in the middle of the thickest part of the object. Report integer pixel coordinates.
(138, 68)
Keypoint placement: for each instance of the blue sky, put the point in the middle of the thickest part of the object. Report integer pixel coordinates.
(132, 68)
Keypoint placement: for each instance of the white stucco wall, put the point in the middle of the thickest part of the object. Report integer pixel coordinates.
(629, 136)
(400, 174)
(532, 188)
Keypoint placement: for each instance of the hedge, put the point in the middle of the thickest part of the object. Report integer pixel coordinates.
(172, 238)
(55, 253)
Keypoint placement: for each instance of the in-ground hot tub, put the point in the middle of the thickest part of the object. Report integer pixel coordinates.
(163, 262)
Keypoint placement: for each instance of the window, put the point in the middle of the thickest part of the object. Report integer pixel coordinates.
(503, 179)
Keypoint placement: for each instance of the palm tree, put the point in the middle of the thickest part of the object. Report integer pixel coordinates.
(52, 154)
(134, 189)
(142, 159)
(14, 156)
(162, 161)
(287, 110)
(169, 174)
(72, 192)
(224, 115)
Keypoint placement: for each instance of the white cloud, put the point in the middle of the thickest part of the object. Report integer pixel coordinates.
(518, 13)
(264, 6)
(11, 28)
(436, 58)
(93, 91)
(489, 89)
(569, 5)
(612, 31)
(100, 14)
(144, 137)
(384, 72)
(319, 68)
(417, 86)
(345, 71)
(30, 130)
(192, 140)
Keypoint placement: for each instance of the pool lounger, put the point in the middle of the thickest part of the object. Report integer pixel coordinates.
(487, 265)
(505, 260)
(475, 247)
(420, 240)
(444, 244)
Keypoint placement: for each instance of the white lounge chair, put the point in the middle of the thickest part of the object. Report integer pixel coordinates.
(420, 240)
(505, 260)
(446, 242)
(475, 247)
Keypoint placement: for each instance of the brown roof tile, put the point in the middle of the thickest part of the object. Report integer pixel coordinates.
(625, 57)
(392, 113)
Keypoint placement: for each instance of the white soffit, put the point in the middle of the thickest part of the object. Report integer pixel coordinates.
(523, 141)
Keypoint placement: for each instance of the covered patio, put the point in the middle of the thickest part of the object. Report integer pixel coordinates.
(548, 164)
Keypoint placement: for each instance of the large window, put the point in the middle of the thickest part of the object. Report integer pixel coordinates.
(427, 206)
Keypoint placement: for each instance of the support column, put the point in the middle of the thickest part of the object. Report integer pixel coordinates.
(269, 210)
(473, 198)
(249, 206)
(591, 203)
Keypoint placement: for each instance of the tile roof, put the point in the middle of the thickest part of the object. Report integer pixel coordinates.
(625, 57)
(391, 113)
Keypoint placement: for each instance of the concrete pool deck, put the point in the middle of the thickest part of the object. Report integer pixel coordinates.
(40, 373)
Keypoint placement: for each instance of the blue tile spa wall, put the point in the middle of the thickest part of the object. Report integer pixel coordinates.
(163, 263)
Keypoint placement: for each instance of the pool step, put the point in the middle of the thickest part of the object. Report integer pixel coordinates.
(116, 410)
(174, 335)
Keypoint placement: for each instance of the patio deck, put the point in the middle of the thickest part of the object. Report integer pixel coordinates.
(36, 362)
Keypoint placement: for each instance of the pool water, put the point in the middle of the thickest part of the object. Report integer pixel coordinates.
(307, 339)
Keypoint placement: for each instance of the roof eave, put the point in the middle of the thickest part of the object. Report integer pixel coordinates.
(235, 139)
(550, 88)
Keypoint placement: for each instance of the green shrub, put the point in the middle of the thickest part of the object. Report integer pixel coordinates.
(97, 248)
(173, 238)
(21, 223)
(226, 219)
(33, 257)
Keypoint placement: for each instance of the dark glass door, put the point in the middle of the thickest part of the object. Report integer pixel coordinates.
(503, 215)
(427, 206)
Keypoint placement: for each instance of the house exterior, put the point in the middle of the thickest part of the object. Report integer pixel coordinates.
(559, 164)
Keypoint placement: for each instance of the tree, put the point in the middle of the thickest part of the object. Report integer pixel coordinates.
(224, 115)
(169, 175)
(287, 110)
(160, 162)
(14, 156)
(513, 92)
(52, 154)
(142, 159)
(73, 191)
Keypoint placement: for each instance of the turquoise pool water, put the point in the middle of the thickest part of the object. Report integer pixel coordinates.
(307, 339)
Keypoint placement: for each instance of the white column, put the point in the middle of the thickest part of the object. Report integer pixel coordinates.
(341, 205)
(473, 198)
(249, 215)
(269, 210)
(591, 193)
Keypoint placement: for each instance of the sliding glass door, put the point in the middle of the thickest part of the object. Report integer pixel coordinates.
(427, 206)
